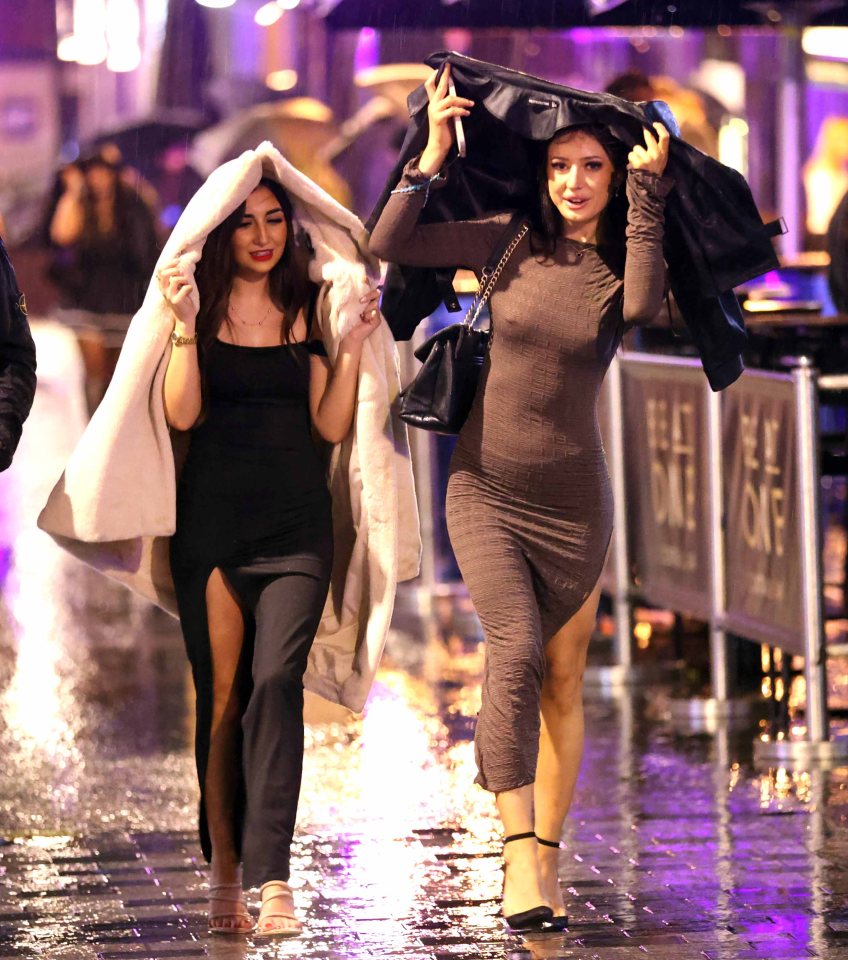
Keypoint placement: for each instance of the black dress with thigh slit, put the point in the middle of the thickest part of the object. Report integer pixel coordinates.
(253, 502)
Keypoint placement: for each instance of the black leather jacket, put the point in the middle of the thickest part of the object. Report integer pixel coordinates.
(715, 238)
(17, 361)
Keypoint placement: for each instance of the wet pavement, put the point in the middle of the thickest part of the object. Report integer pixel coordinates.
(677, 848)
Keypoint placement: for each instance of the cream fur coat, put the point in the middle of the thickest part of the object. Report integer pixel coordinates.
(115, 505)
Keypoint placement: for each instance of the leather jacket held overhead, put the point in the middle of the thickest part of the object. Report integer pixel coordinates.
(715, 238)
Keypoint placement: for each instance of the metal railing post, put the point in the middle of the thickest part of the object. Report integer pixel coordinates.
(623, 610)
(718, 637)
(818, 746)
(809, 496)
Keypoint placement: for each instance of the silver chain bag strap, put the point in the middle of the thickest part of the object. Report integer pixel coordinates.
(440, 396)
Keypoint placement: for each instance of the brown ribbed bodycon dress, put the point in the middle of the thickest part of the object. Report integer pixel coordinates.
(529, 501)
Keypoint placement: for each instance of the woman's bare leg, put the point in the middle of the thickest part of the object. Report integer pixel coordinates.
(561, 739)
(95, 365)
(522, 890)
(226, 635)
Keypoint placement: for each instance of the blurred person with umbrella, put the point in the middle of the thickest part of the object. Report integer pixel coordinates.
(142, 142)
(105, 237)
(153, 156)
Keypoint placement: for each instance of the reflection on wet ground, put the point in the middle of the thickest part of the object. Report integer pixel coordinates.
(676, 848)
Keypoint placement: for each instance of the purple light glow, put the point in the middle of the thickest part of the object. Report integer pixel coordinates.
(583, 35)
(367, 50)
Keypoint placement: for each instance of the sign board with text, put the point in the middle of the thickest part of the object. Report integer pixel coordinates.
(666, 454)
(762, 518)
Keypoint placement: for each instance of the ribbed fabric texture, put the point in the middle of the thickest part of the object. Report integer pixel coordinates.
(529, 503)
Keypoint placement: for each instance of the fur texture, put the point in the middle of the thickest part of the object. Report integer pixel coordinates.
(115, 505)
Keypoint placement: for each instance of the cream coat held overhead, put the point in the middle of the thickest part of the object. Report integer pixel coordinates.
(115, 505)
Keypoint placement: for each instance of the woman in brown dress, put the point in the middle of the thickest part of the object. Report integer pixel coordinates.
(529, 499)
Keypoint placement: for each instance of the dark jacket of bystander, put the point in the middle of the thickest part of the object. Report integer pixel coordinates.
(17, 361)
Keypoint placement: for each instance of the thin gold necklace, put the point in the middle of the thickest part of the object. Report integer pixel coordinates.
(245, 323)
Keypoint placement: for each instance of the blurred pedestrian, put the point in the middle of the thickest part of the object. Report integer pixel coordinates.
(837, 248)
(17, 361)
(825, 178)
(529, 504)
(105, 240)
(631, 85)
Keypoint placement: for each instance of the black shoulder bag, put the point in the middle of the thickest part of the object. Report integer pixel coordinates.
(440, 396)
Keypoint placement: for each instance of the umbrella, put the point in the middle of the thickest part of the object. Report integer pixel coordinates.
(142, 141)
(738, 13)
(300, 127)
(391, 14)
(295, 126)
(394, 81)
(389, 85)
(394, 14)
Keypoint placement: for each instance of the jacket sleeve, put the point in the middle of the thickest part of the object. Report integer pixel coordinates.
(400, 238)
(17, 361)
(644, 267)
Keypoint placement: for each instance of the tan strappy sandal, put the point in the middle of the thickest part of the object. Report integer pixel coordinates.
(286, 897)
(230, 893)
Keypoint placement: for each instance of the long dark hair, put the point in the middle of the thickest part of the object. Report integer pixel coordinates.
(124, 202)
(546, 221)
(289, 285)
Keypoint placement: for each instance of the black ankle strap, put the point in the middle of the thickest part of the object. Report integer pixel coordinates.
(519, 836)
(548, 843)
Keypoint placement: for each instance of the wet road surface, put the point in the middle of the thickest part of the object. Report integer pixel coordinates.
(677, 848)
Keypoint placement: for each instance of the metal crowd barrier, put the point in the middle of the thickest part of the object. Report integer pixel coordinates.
(718, 517)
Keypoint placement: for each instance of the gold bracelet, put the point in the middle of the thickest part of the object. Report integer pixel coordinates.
(179, 341)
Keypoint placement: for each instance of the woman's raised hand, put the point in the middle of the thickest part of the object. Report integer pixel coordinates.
(443, 108)
(369, 316)
(654, 155)
(176, 288)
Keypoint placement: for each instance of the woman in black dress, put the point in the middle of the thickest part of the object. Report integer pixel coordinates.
(249, 378)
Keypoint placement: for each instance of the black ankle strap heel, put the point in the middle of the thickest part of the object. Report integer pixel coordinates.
(549, 843)
(558, 922)
(519, 836)
(537, 918)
